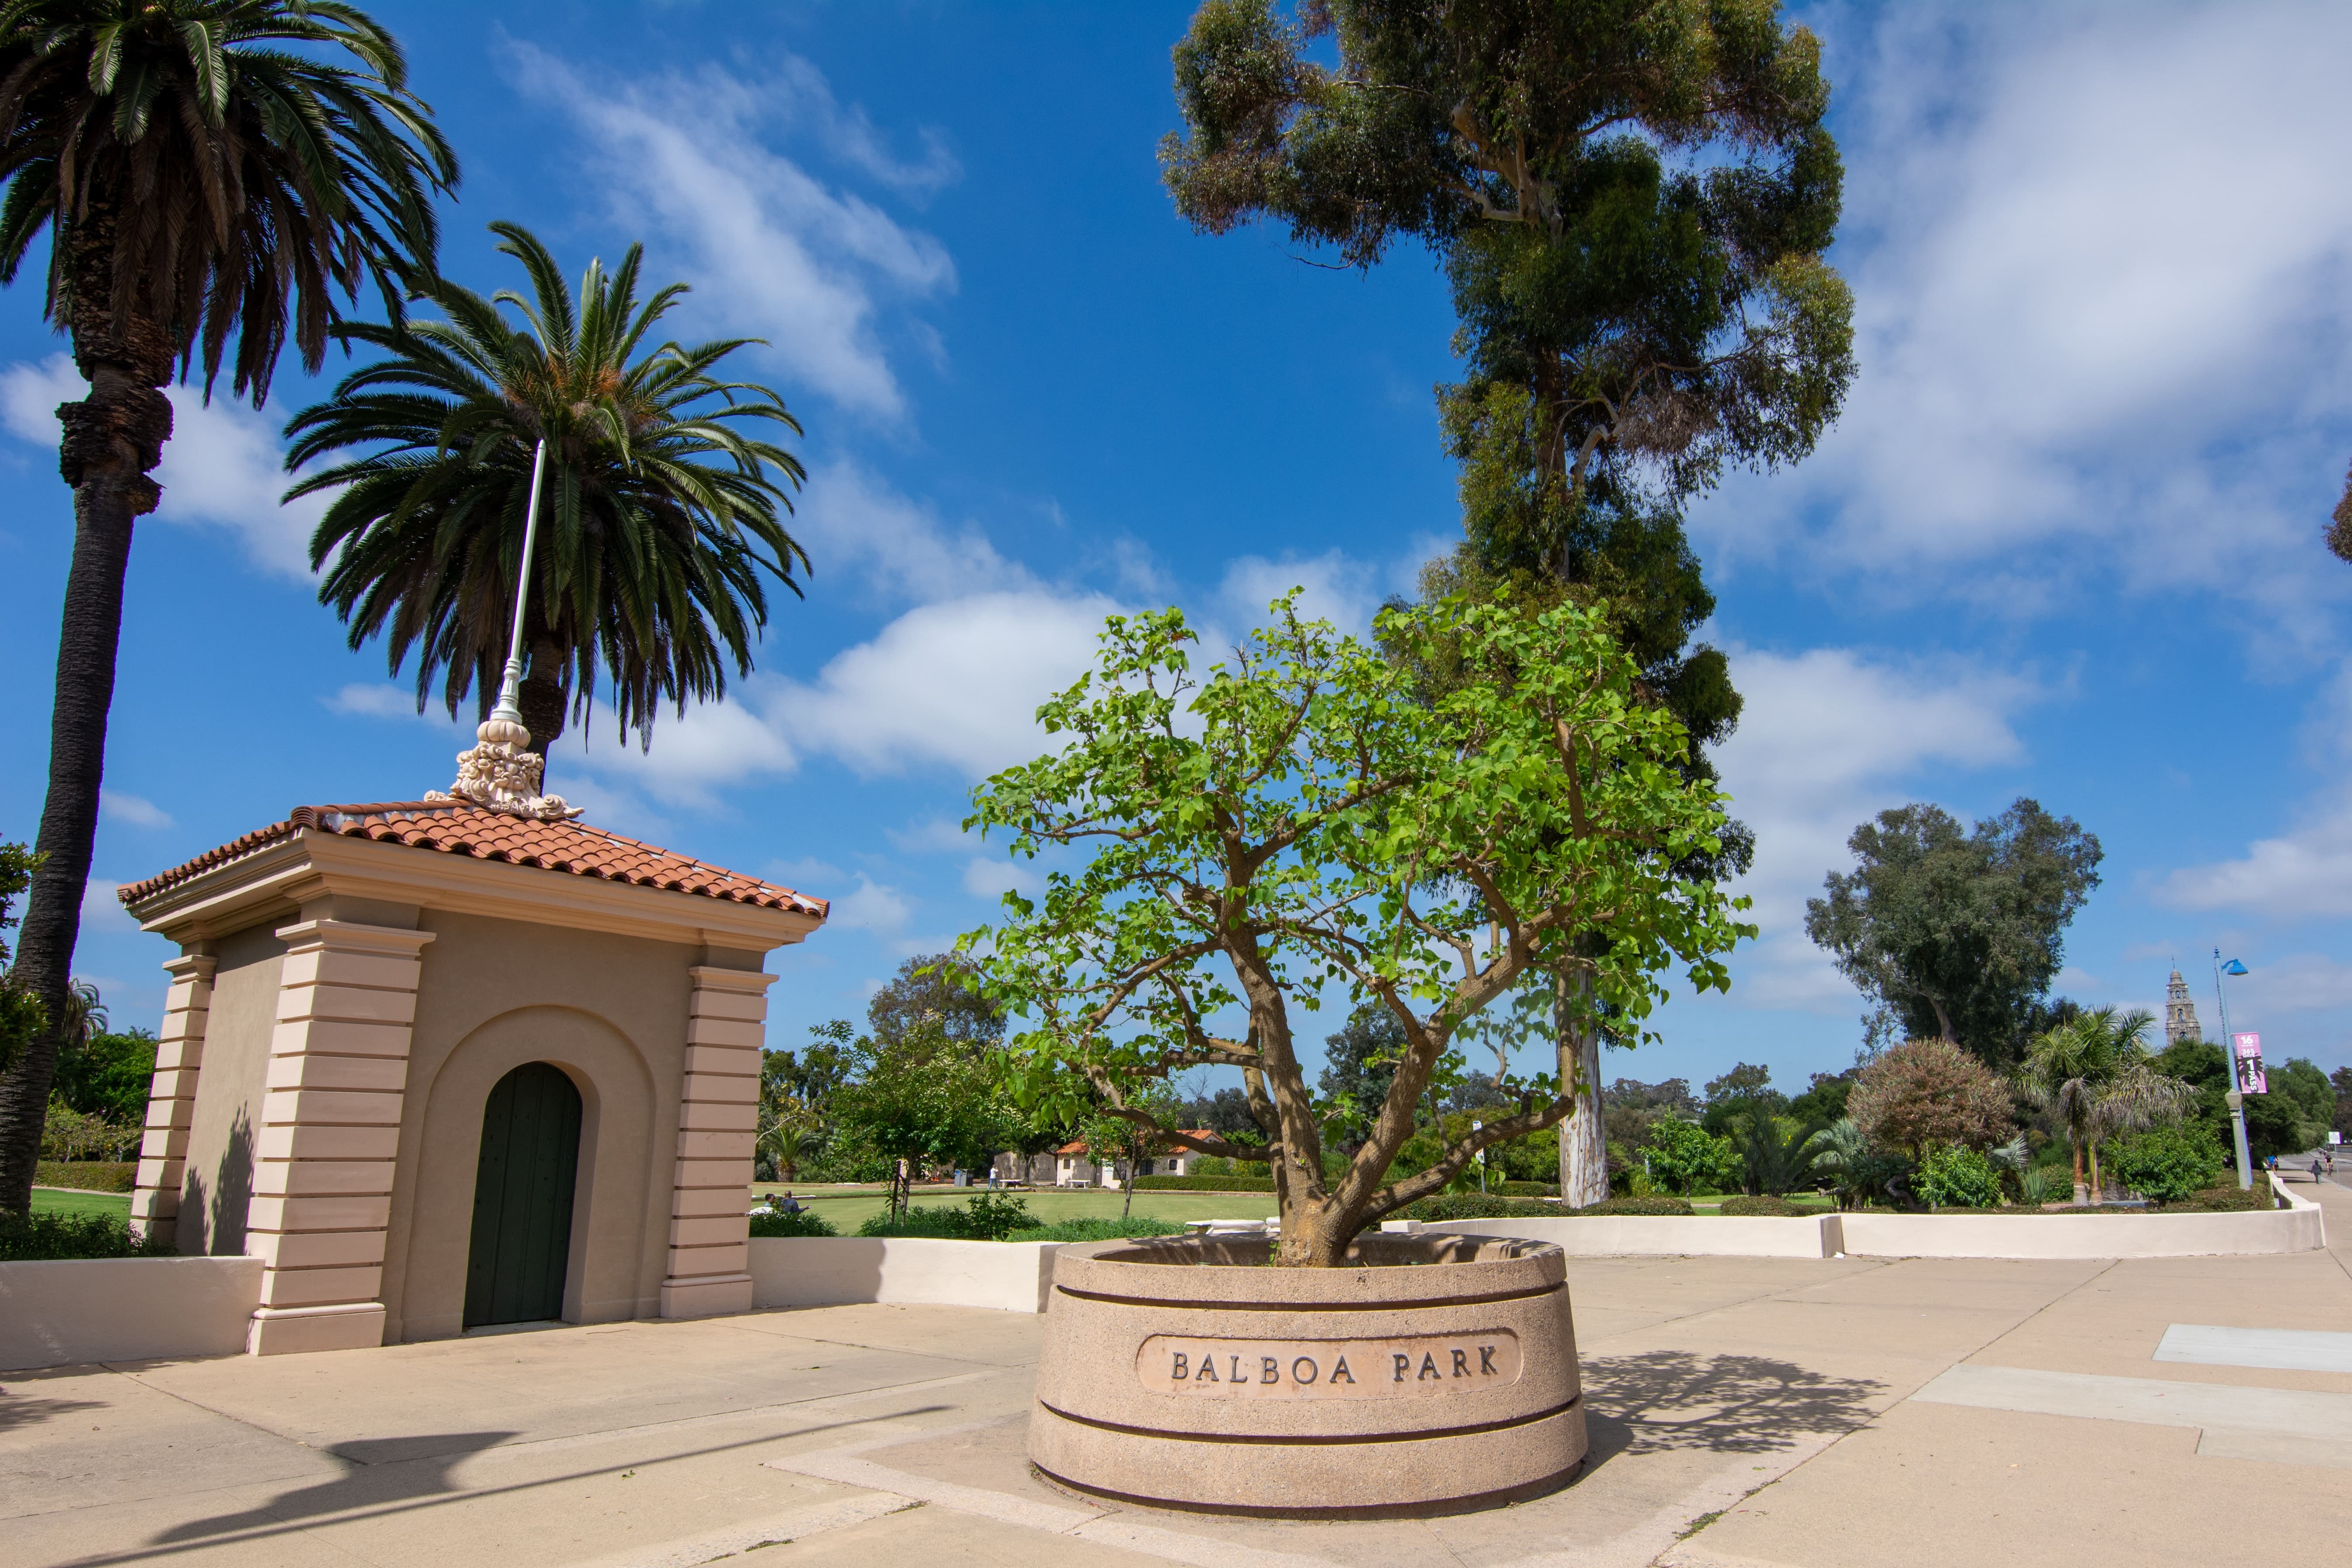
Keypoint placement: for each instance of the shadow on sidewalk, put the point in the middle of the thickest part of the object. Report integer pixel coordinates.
(385, 1470)
(1725, 1403)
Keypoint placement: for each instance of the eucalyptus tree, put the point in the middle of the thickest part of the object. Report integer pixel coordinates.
(1632, 205)
(212, 176)
(663, 495)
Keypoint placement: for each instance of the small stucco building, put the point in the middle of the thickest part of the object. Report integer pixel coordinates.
(441, 1065)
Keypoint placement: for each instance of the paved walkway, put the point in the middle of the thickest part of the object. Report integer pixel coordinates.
(1743, 1412)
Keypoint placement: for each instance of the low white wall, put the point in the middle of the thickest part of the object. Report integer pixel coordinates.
(124, 1309)
(829, 1271)
(1663, 1236)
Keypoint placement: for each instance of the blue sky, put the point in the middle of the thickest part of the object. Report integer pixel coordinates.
(2064, 542)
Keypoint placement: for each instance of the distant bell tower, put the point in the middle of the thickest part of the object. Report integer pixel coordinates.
(2180, 1013)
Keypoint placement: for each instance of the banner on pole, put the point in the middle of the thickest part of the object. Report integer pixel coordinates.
(2251, 1080)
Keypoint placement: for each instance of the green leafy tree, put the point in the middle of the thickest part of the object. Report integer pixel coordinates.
(2099, 1078)
(1359, 1064)
(1632, 208)
(1957, 933)
(924, 1099)
(1130, 1140)
(1295, 819)
(207, 171)
(1685, 1157)
(21, 1012)
(2340, 1080)
(662, 495)
(1928, 1093)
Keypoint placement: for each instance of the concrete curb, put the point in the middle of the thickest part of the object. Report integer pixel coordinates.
(832, 1271)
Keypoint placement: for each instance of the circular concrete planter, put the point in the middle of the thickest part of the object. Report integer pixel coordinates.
(1431, 1371)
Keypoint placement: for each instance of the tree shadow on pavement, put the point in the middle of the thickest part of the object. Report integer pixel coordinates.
(18, 1410)
(1663, 1400)
(381, 1470)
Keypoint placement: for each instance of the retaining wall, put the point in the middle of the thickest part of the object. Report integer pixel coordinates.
(125, 1309)
(2298, 1227)
(828, 1271)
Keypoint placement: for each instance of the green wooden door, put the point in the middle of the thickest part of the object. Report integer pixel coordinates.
(523, 1198)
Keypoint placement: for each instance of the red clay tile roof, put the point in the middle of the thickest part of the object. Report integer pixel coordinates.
(459, 829)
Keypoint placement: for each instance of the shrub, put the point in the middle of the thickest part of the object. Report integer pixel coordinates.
(989, 1217)
(1525, 1189)
(1211, 1183)
(2224, 1200)
(87, 1175)
(1955, 1176)
(1916, 1096)
(802, 1224)
(1475, 1205)
(30, 1237)
(71, 1135)
(1758, 1209)
(1097, 1229)
(2164, 1164)
(1654, 1205)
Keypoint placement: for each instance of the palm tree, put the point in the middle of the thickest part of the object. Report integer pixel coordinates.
(2096, 1074)
(661, 512)
(206, 170)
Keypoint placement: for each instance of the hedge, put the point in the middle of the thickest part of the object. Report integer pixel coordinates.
(1204, 1184)
(87, 1175)
(799, 1223)
(1743, 1206)
(38, 1238)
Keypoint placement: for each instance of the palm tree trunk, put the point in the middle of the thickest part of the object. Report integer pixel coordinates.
(540, 699)
(2081, 1192)
(111, 439)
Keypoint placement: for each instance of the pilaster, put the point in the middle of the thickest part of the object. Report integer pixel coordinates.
(330, 1131)
(172, 1097)
(718, 1121)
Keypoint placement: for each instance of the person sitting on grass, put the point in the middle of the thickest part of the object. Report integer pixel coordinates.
(787, 1203)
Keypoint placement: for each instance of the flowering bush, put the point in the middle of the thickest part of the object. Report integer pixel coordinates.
(1916, 1096)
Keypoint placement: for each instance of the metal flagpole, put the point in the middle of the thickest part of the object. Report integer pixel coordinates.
(510, 689)
(2236, 1098)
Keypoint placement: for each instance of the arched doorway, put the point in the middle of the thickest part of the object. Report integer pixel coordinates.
(523, 1198)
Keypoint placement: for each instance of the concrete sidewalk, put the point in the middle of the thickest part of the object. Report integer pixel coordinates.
(1797, 1411)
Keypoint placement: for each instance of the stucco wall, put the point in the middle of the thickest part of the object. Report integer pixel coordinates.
(218, 1184)
(826, 1271)
(124, 1309)
(611, 1012)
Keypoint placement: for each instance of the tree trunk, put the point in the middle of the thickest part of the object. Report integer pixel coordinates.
(2081, 1192)
(110, 441)
(540, 699)
(1583, 1139)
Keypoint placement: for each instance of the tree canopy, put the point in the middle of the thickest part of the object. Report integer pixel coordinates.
(1957, 933)
(1292, 819)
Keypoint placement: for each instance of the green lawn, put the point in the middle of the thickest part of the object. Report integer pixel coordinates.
(847, 1207)
(54, 1200)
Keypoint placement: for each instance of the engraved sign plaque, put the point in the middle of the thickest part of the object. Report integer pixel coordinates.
(1421, 1366)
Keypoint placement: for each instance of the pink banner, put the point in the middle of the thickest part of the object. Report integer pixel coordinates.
(2251, 1080)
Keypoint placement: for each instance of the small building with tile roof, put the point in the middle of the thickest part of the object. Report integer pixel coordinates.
(453, 1062)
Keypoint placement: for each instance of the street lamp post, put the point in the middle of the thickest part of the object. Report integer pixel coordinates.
(2236, 1097)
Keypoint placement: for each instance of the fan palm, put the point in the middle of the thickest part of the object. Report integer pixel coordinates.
(661, 512)
(2096, 1073)
(206, 171)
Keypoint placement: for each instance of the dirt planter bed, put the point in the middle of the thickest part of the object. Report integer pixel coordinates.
(1432, 1371)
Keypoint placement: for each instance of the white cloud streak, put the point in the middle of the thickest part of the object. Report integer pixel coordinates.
(774, 252)
(136, 810)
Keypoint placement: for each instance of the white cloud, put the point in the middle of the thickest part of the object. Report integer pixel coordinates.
(992, 879)
(2299, 983)
(1828, 738)
(223, 467)
(713, 745)
(2060, 368)
(2304, 872)
(136, 810)
(381, 700)
(102, 908)
(850, 521)
(774, 252)
(1333, 586)
(870, 907)
(934, 835)
(802, 93)
(955, 684)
